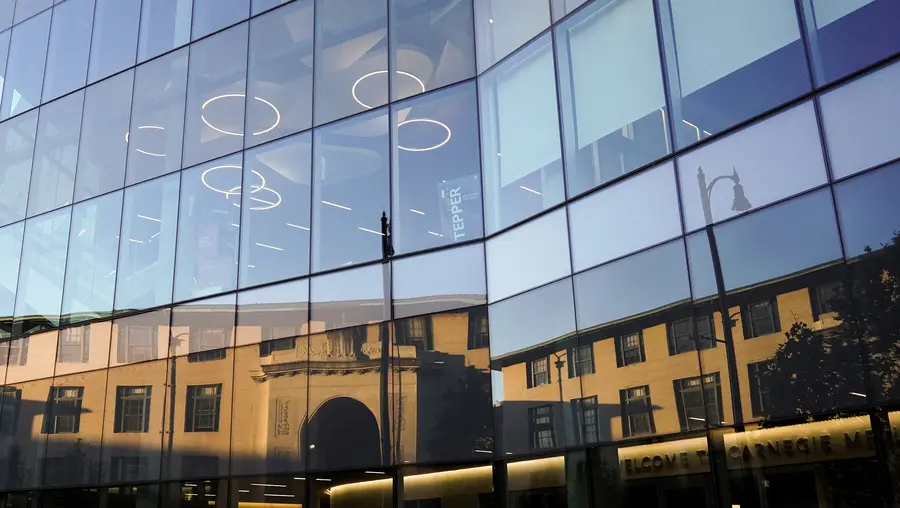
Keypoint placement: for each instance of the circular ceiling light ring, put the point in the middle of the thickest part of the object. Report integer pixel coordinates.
(234, 191)
(232, 133)
(425, 120)
(374, 73)
(145, 152)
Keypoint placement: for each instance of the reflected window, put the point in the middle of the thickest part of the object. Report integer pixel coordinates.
(68, 48)
(202, 408)
(15, 351)
(10, 401)
(115, 37)
(273, 312)
(824, 298)
(132, 409)
(581, 360)
(443, 280)
(351, 61)
(165, 25)
(271, 346)
(587, 418)
(350, 190)
(41, 275)
(217, 78)
(612, 92)
(157, 117)
(479, 330)
(759, 57)
(760, 318)
(280, 79)
(546, 314)
(501, 26)
(699, 401)
(55, 154)
(539, 372)
(74, 345)
(212, 15)
(436, 173)
(208, 344)
(541, 425)
(637, 411)
(137, 338)
(347, 298)
(521, 152)
(416, 332)
(630, 349)
(203, 329)
(101, 153)
(64, 410)
(682, 336)
(25, 66)
(759, 388)
(17, 139)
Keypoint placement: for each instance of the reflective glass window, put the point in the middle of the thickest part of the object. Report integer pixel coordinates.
(10, 253)
(626, 217)
(101, 154)
(350, 190)
(69, 48)
(91, 264)
(25, 65)
(16, 153)
(185, 494)
(208, 229)
(140, 338)
(4, 52)
(560, 8)
(6, 13)
(165, 24)
(871, 101)
(520, 137)
(280, 73)
(533, 318)
(28, 8)
(39, 295)
(257, 6)
(273, 312)
(703, 277)
(147, 244)
(528, 256)
(781, 240)
(248, 490)
(432, 45)
(212, 15)
(275, 211)
(347, 298)
(758, 57)
(612, 92)
(202, 328)
(351, 59)
(157, 117)
(83, 348)
(214, 122)
(115, 37)
(438, 281)
(868, 212)
(501, 26)
(846, 36)
(765, 162)
(56, 154)
(646, 281)
(436, 174)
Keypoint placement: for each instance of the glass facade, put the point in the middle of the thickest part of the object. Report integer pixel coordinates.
(480, 253)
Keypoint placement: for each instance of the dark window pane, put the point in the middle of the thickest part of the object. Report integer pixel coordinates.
(869, 214)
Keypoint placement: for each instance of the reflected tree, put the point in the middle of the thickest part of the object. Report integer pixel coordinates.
(465, 418)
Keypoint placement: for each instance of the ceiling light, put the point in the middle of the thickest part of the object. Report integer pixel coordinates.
(244, 491)
(278, 495)
(81, 232)
(425, 120)
(858, 394)
(235, 225)
(697, 419)
(299, 478)
(435, 234)
(146, 127)
(268, 485)
(230, 133)
(530, 190)
(374, 472)
(342, 207)
(132, 240)
(369, 231)
(323, 479)
(154, 219)
(269, 246)
(154, 235)
(297, 226)
(236, 190)
(413, 210)
(375, 73)
(491, 21)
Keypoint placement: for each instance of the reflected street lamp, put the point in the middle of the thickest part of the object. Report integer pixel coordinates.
(740, 203)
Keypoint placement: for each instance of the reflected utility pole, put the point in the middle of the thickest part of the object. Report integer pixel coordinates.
(387, 251)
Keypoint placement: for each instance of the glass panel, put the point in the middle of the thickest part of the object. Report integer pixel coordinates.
(214, 123)
(532, 319)
(147, 244)
(6, 13)
(56, 154)
(501, 26)
(443, 280)
(700, 263)
(257, 6)
(115, 38)
(350, 488)
(270, 384)
(520, 136)
(32, 357)
(83, 348)
(868, 101)
(17, 141)
(432, 45)
(136, 496)
(157, 117)
(273, 312)
(528, 256)
(165, 24)
(612, 92)
(4, 49)
(436, 175)
(758, 57)
(868, 212)
(447, 485)
(538, 481)
(39, 294)
(28, 8)
(101, 156)
(93, 252)
(648, 281)
(350, 191)
(203, 326)
(560, 8)
(74, 434)
(197, 421)
(846, 36)
(25, 66)
(140, 338)
(69, 48)
(773, 159)
(351, 57)
(347, 298)
(275, 211)
(195, 493)
(280, 73)
(10, 254)
(208, 229)
(634, 214)
(213, 15)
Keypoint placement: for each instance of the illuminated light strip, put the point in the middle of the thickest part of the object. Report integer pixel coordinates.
(435, 234)
(278, 495)
(230, 133)
(375, 73)
(342, 207)
(530, 190)
(369, 231)
(304, 228)
(269, 485)
(132, 240)
(375, 472)
(154, 219)
(273, 248)
(83, 231)
(413, 210)
(145, 152)
(425, 120)
(243, 491)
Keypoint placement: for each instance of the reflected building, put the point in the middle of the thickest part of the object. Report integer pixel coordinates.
(449, 253)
